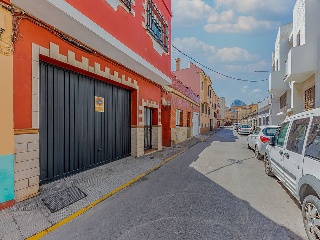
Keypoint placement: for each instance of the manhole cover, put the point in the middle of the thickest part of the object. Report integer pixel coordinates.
(62, 199)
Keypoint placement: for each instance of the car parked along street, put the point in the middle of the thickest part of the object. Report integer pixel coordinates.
(244, 129)
(293, 156)
(260, 138)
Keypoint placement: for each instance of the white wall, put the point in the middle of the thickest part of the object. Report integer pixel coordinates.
(299, 23)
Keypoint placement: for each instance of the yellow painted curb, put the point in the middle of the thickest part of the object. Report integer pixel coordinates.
(83, 210)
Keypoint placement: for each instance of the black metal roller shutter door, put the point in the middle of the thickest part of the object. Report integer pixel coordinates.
(73, 137)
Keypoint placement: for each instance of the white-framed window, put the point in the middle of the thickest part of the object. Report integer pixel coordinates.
(157, 26)
(179, 116)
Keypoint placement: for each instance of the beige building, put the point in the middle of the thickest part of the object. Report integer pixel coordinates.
(245, 112)
(208, 104)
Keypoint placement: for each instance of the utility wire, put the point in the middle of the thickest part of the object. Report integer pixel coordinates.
(222, 74)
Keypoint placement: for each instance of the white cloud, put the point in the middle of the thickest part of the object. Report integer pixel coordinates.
(244, 89)
(191, 10)
(250, 6)
(195, 46)
(234, 54)
(192, 44)
(242, 24)
(257, 90)
(241, 16)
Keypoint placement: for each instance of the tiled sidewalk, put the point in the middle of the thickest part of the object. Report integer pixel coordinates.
(32, 216)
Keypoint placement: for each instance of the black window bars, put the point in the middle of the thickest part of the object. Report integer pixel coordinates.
(157, 26)
(127, 3)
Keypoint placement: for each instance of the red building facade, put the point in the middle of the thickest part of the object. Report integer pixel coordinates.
(180, 113)
(87, 84)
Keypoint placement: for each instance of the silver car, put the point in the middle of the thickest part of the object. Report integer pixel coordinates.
(244, 129)
(260, 138)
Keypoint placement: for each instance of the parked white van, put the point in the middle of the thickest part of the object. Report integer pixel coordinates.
(293, 156)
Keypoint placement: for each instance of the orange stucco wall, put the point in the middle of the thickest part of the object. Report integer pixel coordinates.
(31, 33)
(127, 27)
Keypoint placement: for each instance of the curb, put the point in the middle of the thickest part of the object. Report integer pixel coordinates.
(127, 184)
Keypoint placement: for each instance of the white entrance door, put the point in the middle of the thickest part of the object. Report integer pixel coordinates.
(195, 121)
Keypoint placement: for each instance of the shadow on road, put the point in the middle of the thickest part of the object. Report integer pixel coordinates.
(226, 136)
(232, 162)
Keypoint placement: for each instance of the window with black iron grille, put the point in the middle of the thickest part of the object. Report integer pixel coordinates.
(309, 97)
(157, 26)
(127, 3)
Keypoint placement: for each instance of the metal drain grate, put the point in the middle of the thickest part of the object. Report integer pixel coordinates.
(62, 199)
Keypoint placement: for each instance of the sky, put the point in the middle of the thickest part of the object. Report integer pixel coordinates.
(233, 37)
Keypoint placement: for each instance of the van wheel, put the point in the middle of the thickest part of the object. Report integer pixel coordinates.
(267, 167)
(311, 216)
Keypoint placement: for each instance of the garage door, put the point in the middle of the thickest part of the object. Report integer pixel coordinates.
(75, 136)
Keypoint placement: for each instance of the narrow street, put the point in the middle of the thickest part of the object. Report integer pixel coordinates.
(215, 190)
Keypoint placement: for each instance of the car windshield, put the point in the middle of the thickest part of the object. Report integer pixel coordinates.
(245, 126)
(270, 131)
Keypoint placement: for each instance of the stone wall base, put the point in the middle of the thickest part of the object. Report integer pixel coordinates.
(179, 134)
(26, 166)
(157, 137)
(137, 141)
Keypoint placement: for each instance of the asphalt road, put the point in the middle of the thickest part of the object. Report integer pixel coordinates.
(215, 190)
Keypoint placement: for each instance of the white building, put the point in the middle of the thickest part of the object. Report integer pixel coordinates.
(302, 69)
(264, 109)
(280, 91)
(302, 63)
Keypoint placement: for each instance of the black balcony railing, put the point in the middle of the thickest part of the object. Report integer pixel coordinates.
(157, 26)
(127, 3)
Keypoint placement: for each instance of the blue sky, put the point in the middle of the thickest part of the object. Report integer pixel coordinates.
(234, 37)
